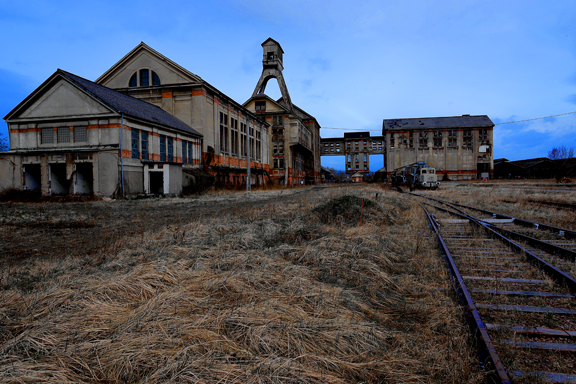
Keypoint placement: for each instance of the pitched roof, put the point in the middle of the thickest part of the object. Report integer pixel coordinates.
(271, 39)
(143, 46)
(128, 105)
(465, 121)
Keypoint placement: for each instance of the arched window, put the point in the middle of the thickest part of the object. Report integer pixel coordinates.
(133, 81)
(155, 78)
(144, 78)
(144, 75)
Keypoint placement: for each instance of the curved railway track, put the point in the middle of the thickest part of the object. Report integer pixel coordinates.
(520, 307)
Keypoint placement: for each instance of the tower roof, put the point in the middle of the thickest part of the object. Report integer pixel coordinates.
(274, 41)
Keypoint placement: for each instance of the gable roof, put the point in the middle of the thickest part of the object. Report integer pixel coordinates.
(116, 101)
(271, 39)
(265, 96)
(465, 121)
(145, 47)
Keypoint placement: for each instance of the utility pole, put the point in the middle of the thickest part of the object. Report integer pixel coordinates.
(248, 176)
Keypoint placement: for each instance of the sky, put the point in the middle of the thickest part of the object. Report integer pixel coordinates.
(350, 64)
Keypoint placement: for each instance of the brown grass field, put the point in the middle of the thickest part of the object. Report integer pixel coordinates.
(280, 286)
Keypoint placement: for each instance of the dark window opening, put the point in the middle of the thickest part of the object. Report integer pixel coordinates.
(190, 160)
(135, 144)
(32, 177)
(170, 150)
(155, 79)
(260, 106)
(270, 56)
(144, 78)
(144, 135)
(184, 158)
(133, 81)
(84, 179)
(162, 148)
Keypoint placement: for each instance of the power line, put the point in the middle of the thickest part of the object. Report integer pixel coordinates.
(508, 122)
(536, 118)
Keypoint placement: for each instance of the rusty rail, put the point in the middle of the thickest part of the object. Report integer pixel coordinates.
(488, 354)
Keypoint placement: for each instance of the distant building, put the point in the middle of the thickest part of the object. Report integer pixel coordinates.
(356, 147)
(459, 147)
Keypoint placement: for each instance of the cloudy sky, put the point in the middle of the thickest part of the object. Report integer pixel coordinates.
(351, 64)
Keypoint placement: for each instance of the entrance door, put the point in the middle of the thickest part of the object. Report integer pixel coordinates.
(481, 168)
(157, 183)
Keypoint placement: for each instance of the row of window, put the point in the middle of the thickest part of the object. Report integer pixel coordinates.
(141, 78)
(140, 147)
(437, 139)
(357, 158)
(63, 135)
(239, 147)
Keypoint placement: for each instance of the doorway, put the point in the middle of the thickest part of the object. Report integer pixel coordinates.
(157, 183)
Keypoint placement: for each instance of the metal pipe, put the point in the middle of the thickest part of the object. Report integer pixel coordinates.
(122, 150)
(248, 174)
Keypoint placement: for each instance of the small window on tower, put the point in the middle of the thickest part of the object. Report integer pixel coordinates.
(270, 56)
(260, 106)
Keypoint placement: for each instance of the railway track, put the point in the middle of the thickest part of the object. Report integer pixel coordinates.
(520, 307)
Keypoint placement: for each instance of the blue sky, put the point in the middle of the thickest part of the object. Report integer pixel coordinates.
(350, 64)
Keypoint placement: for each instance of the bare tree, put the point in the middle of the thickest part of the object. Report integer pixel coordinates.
(561, 153)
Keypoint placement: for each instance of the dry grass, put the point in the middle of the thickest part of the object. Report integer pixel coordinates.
(263, 293)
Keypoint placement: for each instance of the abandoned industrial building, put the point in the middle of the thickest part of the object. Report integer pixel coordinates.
(295, 140)
(74, 136)
(145, 123)
(459, 147)
(356, 148)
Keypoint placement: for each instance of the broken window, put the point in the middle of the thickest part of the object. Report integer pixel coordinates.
(422, 139)
(47, 136)
(63, 135)
(234, 136)
(79, 134)
(437, 139)
(270, 56)
(223, 132)
(392, 142)
(135, 144)
(260, 106)
(467, 138)
(452, 138)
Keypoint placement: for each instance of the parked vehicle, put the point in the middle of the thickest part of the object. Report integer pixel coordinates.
(416, 175)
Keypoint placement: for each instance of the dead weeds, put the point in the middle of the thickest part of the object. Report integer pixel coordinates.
(267, 292)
